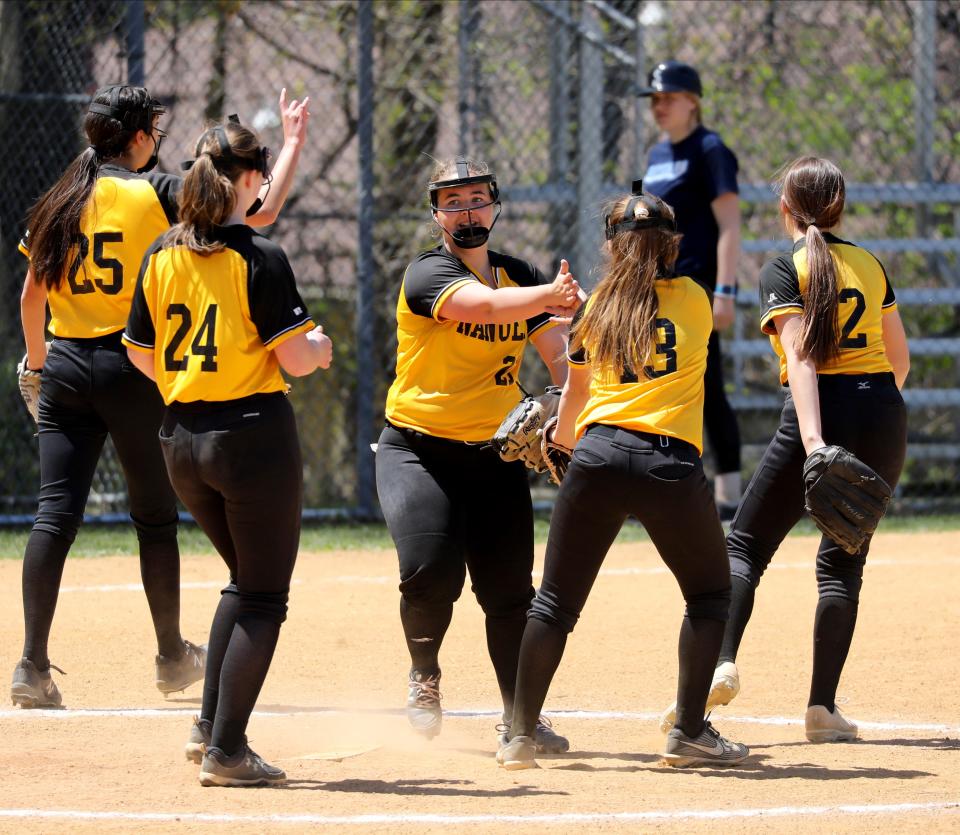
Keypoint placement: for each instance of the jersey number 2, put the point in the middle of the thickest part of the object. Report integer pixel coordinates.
(202, 344)
(860, 305)
(85, 285)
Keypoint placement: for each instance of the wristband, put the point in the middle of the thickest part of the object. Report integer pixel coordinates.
(726, 290)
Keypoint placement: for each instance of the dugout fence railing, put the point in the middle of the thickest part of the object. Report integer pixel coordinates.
(545, 90)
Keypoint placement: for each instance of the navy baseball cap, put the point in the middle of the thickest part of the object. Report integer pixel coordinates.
(672, 77)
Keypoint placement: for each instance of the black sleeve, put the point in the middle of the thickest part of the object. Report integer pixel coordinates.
(889, 297)
(426, 279)
(779, 290)
(578, 357)
(534, 323)
(167, 187)
(276, 307)
(141, 330)
(721, 166)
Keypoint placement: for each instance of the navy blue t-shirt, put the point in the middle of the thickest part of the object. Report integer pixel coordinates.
(689, 176)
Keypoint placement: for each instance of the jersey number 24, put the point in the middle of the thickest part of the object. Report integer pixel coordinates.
(202, 343)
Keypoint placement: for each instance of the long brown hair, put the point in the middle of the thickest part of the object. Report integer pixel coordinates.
(813, 191)
(208, 196)
(620, 327)
(54, 220)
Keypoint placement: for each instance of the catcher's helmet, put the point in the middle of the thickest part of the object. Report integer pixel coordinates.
(132, 116)
(672, 77)
(654, 216)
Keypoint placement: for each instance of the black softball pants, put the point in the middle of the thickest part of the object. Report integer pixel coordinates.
(866, 415)
(237, 468)
(451, 507)
(91, 389)
(615, 473)
(719, 419)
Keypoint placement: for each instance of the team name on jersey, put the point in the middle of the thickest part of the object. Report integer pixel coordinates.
(510, 332)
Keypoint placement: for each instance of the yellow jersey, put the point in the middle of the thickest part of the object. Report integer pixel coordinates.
(457, 380)
(212, 321)
(865, 295)
(668, 400)
(124, 215)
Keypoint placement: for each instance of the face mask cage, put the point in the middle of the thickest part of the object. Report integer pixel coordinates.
(473, 234)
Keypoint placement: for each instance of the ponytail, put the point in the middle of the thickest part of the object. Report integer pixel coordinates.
(54, 220)
(814, 193)
(819, 327)
(207, 199)
(620, 326)
(208, 196)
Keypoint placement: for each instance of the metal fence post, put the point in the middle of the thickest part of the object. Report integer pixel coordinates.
(924, 105)
(589, 150)
(365, 262)
(641, 106)
(136, 26)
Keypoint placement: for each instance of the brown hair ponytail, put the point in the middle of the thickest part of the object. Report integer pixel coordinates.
(813, 191)
(54, 220)
(620, 327)
(208, 196)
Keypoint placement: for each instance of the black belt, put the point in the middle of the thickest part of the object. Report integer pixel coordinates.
(604, 430)
(209, 407)
(109, 340)
(853, 382)
(414, 435)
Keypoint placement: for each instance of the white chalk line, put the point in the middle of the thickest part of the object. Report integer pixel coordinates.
(470, 713)
(361, 579)
(558, 818)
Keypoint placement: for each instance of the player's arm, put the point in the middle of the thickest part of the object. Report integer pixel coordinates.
(295, 117)
(895, 344)
(304, 353)
(802, 375)
(477, 303)
(576, 392)
(551, 344)
(142, 358)
(726, 211)
(33, 319)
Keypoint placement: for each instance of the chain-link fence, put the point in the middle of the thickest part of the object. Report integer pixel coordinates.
(545, 91)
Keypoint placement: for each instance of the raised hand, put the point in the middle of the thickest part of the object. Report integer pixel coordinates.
(294, 115)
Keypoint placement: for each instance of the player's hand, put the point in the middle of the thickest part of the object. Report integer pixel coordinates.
(564, 291)
(294, 115)
(322, 345)
(724, 312)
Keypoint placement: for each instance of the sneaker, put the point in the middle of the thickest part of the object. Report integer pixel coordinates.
(824, 726)
(199, 740)
(547, 740)
(517, 753)
(34, 688)
(175, 674)
(423, 703)
(708, 748)
(245, 768)
(723, 690)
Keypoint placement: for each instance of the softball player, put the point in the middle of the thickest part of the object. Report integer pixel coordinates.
(464, 316)
(633, 406)
(693, 171)
(86, 238)
(215, 316)
(832, 319)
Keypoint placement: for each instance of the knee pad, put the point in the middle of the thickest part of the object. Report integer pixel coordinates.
(433, 582)
(549, 611)
(711, 605)
(61, 525)
(152, 532)
(267, 605)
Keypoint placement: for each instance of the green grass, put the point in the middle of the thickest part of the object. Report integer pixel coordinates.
(109, 540)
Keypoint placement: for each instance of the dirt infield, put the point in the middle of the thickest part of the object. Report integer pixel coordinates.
(330, 711)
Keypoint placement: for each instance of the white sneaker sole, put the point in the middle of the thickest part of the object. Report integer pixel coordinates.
(831, 735)
(209, 779)
(687, 761)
